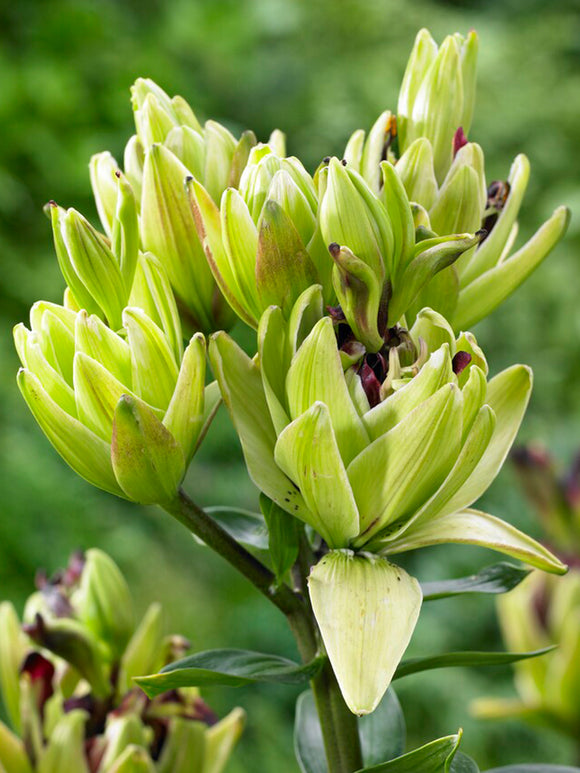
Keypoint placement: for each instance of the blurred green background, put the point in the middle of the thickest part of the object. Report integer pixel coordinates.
(318, 69)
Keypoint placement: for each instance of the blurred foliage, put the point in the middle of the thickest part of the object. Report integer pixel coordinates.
(318, 69)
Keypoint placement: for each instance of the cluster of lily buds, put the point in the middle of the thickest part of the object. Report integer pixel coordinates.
(380, 452)
(444, 177)
(124, 408)
(66, 683)
(542, 612)
(554, 497)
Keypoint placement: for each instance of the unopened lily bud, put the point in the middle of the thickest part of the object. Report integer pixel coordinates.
(142, 654)
(13, 757)
(102, 168)
(65, 749)
(367, 609)
(133, 161)
(103, 602)
(134, 759)
(70, 640)
(123, 731)
(415, 168)
(184, 749)
(13, 648)
(364, 154)
(461, 202)
(156, 113)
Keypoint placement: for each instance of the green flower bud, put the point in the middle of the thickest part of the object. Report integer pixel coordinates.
(263, 243)
(388, 456)
(133, 161)
(415, 168)
(367, 609)
(364, 155)
(220, 740)
(102, 168)
(142, 655)
(184, 750)
(461, 202)
(133, 760)
(156, 113)
(103, 602)
(82, 380)
(13, 648)
(122, 732)
(65, 749)
(437, 95)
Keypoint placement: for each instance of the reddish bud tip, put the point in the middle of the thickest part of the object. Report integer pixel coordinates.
(459, 140)
(460, 361)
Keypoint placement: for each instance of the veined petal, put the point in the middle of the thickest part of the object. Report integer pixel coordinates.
(422, 56)
(220, 740)
(374, 148)
(152, 362)
(415, 168)
(434, 329)
(316, 374)
(102, 168)
(59, 343)
(354, 150)
(185, 413)
(396, 203)
(241, 387)
(472, 527)
(306, 312)
(400, 470)
(436, 372)
(474, 391)
(485, 293)
(98, 341)
(508, 395)
(220, 145)
(188, 145)
(85, 452)
(274, 363)
(240, 240)
(308, 453)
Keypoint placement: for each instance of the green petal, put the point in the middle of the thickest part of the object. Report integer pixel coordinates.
(434, 329)
(308, 453)
(485, 293)
(422, 56)
(400, 470)
(274, 363)
(374, 148)
(415, 168)
(65, 749)
(220, 740)
(98, 341)
(189, 147)
(220, 145)
(102, 168)
(148, 462)
(398, 209)
(458, 208)
(316, 374)
(185, 413)
(240, 239)
(85, 452)
(472, 527)
(241, 387)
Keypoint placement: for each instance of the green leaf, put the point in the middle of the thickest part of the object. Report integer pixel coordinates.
(244, 526)
(498, 578)
(283, 536)
(228, 667)
(382, 733)
(434, 757)
(463, 764)
(539, 768)
(308, 740)
(454, 659)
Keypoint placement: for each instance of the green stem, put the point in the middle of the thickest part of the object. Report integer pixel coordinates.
(339, 726)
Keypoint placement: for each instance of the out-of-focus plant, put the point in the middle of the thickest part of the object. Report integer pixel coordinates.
(366, 418)
(66, 681)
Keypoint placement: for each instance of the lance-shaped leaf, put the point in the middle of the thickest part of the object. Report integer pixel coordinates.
(316, 374)
(415, 168)
(472, 527)
(481, 297)
(283, 536)
(248, 528)
(366, 609)
(541, 768)
(220, 740)
(148, 461)
(65, 750)
(498, 578)
(307, 451)
(283, 266)
(168, 231)
(308, 740)
(242, 390)
(434, 757)
(185, 414)
(432, 256)
(454, 659)
(382, 733)
(402, 468)
(359, 294)
(82, 449)
(228, 667)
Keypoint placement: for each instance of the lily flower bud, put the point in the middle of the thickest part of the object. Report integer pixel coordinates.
(367, 609)
(134, 759)
(65, 749)
(13, 649)
(263, 243)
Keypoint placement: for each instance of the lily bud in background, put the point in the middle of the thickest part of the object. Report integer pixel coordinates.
(540, 612)
(62, 720)
(555, 497)
(437, 95)
(124, 409)
(263, 242)
(383, 451)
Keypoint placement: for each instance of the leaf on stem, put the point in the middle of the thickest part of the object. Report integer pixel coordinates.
(498, 578)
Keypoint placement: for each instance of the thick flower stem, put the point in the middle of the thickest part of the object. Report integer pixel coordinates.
(339, 726)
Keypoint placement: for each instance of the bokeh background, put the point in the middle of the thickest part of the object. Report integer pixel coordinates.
(318, 69)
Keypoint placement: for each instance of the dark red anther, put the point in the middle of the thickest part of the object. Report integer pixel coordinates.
(41, 673)
(459, 140)
(370, 384)
(460, 361)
